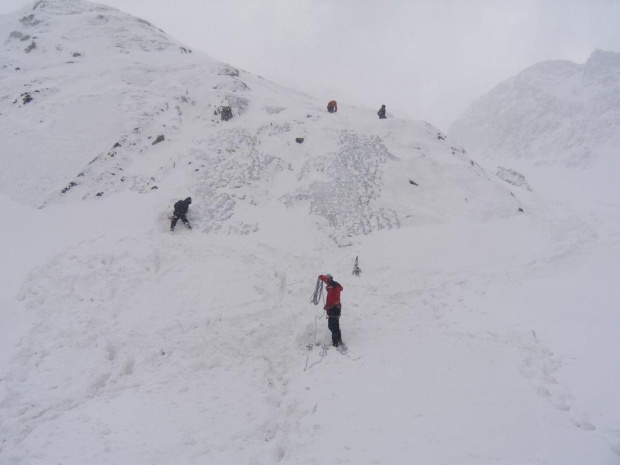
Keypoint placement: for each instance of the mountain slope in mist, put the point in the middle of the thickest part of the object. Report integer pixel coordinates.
(555, 112)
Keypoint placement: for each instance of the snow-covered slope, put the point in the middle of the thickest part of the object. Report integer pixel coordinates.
(554, 113)
(104, 86)
(121, 343)
(553, 131)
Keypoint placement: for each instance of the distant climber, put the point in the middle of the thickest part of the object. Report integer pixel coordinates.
(333, 308)
(332, 106)
(180, 213)
(226, 113)
(381, 112)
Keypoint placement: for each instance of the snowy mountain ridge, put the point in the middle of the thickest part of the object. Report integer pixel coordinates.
(116, 68)
(481, 330)
(554, 112)
(86, 65)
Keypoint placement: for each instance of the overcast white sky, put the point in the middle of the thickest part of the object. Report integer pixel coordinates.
(427, 59)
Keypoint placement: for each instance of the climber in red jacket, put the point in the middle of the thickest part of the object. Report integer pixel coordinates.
(333, 307)
(332, 106)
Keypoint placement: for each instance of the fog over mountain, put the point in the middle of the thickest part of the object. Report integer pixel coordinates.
(555, 112)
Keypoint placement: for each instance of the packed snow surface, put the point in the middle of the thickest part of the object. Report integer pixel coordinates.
(482, 329)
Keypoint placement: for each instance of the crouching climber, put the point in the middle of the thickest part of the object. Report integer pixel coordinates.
(180, 213)
(381, 112)
(332, 106)
(333, 308)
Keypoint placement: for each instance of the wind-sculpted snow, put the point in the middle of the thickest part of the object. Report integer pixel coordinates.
(230, 169)
(353, 183)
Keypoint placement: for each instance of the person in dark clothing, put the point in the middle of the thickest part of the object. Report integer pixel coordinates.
(381, 112)
(333, 308)
(180, 213)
